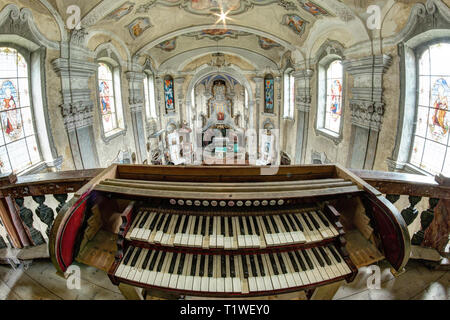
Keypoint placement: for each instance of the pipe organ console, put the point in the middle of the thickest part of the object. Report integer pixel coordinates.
(228, 231)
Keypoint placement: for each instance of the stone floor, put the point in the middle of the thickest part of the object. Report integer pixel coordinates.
(40, 281)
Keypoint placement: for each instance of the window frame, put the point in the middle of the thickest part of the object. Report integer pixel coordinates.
(289, 101)
(148, 109)
(418, 51)
(26, 54)
(116, 70)
(323, 66)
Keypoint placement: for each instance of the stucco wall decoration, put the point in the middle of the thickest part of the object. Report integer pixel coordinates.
(121, 11)
(266, 43)
(168, 45)
(217, 34)
(138, 27)
(295, 23)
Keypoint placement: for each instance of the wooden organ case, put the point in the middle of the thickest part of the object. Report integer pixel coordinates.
(228, 231)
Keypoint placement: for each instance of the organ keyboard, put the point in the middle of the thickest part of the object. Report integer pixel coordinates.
(227, 232)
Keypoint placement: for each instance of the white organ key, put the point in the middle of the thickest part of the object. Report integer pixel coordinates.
(255, 237)
(288, 257)
(134, 264)
(121, 267)
(275, 236)
(324, 231)
(165, 270)
(266, 278)
(127, 268)
(205, 280)
(139, 271)
(266, 231)
(197, 279)
(213, 236)
(147, 232)
(181, 284)
(174, 276)
(251, 277)
(259, 278)
(247, 237)
(301, 263)
(227, 241)
(234, 245)
(220, 280)
(290, 278)
(262, 241)
(337, 268)
(152, 275)
(273, 277)
(160, 271)
(133, 225)
(244, 281)
(213, 279)
(330, 225)
(299, 232)
(179, 235)
(146, 273)
(237, 288)
(172, 230)
(312, 273)
(316, 232)
(191, 238)
(189, 277)
(342, 263)
(281, 276)
(228, 279)
(198, 237)
(317, 267)
(308, 234)
(136, 228)
(166, 236)
(284, 232)
(205, 244)
(239, 235)
(220, 237)
(186, 235)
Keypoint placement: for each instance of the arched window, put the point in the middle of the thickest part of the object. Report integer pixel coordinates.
(107, 97)
(169, 96)
(149, 94)
(18, 142)
(330, 94)
(269, 94)
(431, 146)
(289, 93)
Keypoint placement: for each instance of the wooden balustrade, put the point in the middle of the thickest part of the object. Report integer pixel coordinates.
(435, 220)
(18, 219)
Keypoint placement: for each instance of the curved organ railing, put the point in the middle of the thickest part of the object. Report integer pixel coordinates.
(228, 231)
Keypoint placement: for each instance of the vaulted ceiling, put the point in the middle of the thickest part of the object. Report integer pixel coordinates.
(177, 33)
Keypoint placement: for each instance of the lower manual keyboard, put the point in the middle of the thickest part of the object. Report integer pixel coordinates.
(232, 274)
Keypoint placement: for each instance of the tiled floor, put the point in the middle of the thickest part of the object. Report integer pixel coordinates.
(40, 281)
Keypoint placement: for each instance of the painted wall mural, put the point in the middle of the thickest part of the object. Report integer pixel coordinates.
(121, 11)
(206, 7)
(169, 95)
(139, 26)
(168, 45)
(314, 9)
(266, 43)
(269, 94)
(295, 23)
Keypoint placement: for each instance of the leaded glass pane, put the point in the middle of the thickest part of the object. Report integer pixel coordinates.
(106, 96)
(333, 106)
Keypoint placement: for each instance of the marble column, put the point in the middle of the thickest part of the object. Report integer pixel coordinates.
(136, 101)
(75, 70)
(303, 106)
(367, 108)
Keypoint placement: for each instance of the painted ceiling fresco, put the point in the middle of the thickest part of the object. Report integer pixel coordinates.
(216, 34)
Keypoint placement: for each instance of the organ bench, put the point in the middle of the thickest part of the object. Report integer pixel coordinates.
(228, 232)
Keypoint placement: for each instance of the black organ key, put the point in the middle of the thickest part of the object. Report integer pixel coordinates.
(222, 226)
(294, 264)
(319, 259)
(144, 220)
(210, 266)
(255, 223)
(160, 222)
(324, 255)
(275, 227)
(128, 256)
(181, 264)
(185, 225)
(282, 265)
(297, 221)
(267, 224)
(308, 224)
(146, 260)
(136, 256)
(172, 263)
(230, 227)
(194, 265)
(335, 254)
(241, 225)
(244, 266)
(204, 226)
(253, 266)
(153, 262)
(161, 261)
(197, 221)
(211, 226)
(177, 225)
(249, 226)
(154, 221)
(291, 222)
(285, 224)
(202, 265)
(315, 223)
(308, 260)
(223, 268)
(300, 260)
(274, 265)
(232, 269)
(166, 225)
(261, 265)
(321, 217)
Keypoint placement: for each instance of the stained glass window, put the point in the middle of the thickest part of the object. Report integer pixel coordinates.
(333, 105)
(18, 144)
(149, 88)
(269, 94)
(169, 95)
(107, 98)
(431, 147)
